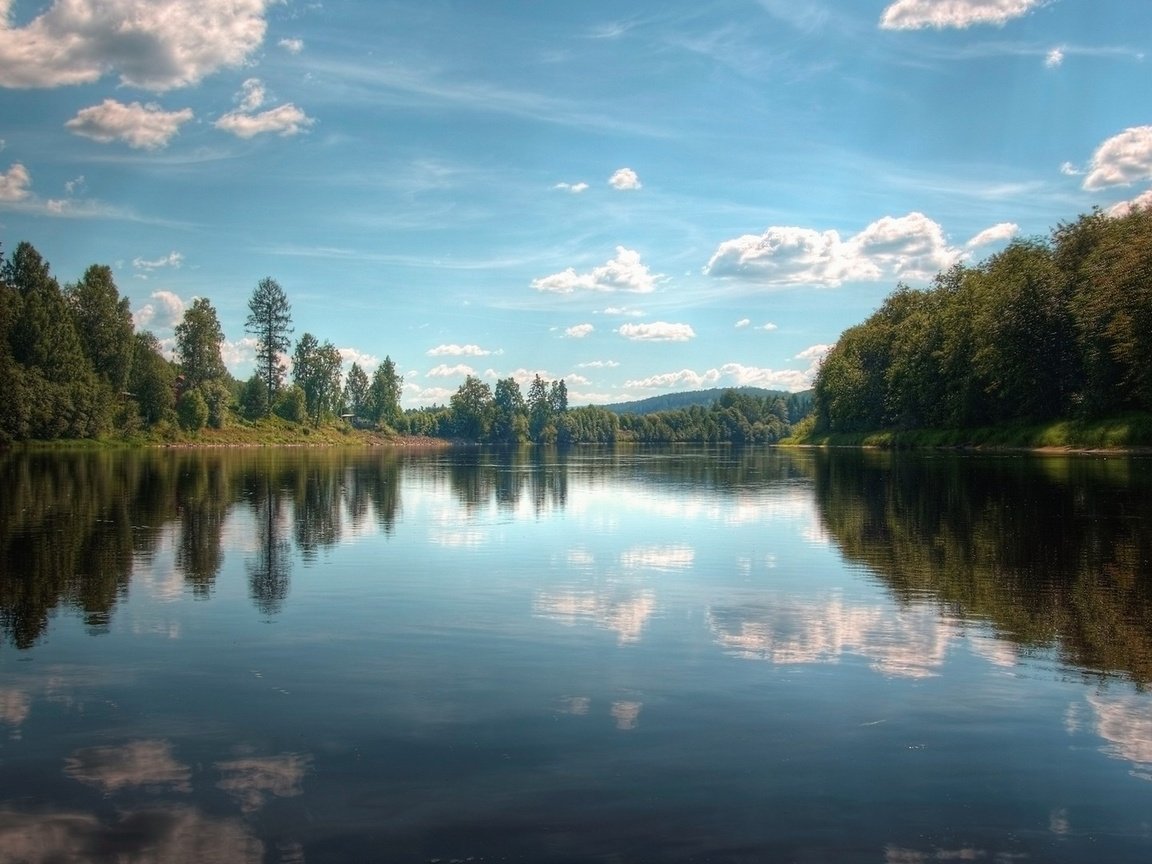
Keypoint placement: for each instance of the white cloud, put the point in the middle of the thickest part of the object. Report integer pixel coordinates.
(657, 331)
(362, 358)
(579, 331)
(292, 46)
(458, 351)
(251, 95)
(14, 183)
(625, 272)
(734, 375)
(1054, 58)
(598, 364)
(461, 370)
(917, 14)
(166, 311)
(172, 259)
(285, 120)
(904, 247)
(153, 44)
(743, 322)
(623, 179)
(996, 234)
(574, 188)
(1122, 159)
(238, 353)
(768, 327)
(624, 311)
(814, 353)
(1070, 170)
(1143, 201)
(142, 127)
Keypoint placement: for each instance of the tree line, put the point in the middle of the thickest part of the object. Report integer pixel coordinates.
(73, 365)
(1049, 328)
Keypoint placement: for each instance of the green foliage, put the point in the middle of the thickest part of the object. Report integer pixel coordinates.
(198, 342)
(254, 398)
(1038, 332)
(316, 370)
(356, 391)
(192, 410)
(472, 408)
(270, 321)
(382, 404)
(103, 322)
(151, 381)
(292, 405)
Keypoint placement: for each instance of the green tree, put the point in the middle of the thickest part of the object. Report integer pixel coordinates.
(192, 409)
(270, 321)
(198, 342)
(254, 398)
(540, 426)
(151, 379)
(510, 420)
(103, 321)
(316, 371)
(356, 391)
(384, 395)
(471, 407)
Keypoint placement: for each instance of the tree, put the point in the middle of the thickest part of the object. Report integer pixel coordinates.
(151, 379)
(316, 371)
(198, 342)
(103, 322)
(270, 321)
(510, 421)
(356, 391)
(471, 408)
(540, 426)
(384, 394)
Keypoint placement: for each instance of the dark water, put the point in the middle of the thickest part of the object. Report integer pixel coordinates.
(641, 655)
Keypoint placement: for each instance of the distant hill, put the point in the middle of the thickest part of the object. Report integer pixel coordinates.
(704, 398)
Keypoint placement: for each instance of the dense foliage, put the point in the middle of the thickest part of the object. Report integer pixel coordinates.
(1046, 329)
(73, 366)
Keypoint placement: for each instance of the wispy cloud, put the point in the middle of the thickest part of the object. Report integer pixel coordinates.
(941, 14)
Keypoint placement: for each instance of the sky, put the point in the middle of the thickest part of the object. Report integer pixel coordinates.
(636, 197)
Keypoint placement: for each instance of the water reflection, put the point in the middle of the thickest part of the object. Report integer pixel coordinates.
(148, 764)
(1054, 552)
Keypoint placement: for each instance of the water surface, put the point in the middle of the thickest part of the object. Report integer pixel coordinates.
(633, 655)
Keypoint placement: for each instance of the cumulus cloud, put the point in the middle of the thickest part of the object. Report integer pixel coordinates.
(292, 46)
(460, 370)
(624, 179)
(251, 95)
(1143, 201)
(173, 259)
(165, 310)
(625, 272)
(768, 327)
(142, 127)
(15, 183)
(361, 358)
(730, 374)
(918, 14)
(657, 331)
(578, 331)
(458, 351)
(1054, 58)
(240, 352)
(153, 44)
(598, 364)
(285, 120)
(814, 353)
(625, 311)
(903, 247)
(743, 322)
(996, 234)
(575, 188)
(1070, 170)
(1122, 159)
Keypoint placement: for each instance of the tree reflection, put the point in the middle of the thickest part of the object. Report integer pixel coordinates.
(270, 569)
(1052, 551)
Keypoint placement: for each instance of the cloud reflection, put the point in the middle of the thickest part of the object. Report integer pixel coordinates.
(172, 835)
(626, 616)
(149, 764)
(1125, 722)
(15, 705)
(903, 643)
(252, 781)
(658, 558)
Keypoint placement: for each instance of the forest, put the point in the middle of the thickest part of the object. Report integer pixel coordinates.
(73, 366)
(1048, 329)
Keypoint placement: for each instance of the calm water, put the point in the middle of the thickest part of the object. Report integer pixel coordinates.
(642, 655)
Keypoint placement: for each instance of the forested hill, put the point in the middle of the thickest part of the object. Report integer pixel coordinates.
(1046, 330)
(705, 399)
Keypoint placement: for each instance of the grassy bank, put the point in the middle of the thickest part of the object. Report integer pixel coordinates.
(1128, 431)
(271, 432)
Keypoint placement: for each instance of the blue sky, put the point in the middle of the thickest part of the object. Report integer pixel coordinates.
(637, 197)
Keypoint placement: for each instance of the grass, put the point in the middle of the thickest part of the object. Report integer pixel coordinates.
(1125, 432)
